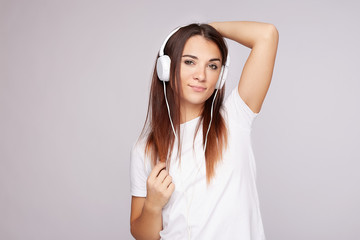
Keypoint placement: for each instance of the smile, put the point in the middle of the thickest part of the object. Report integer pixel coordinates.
(197, 88)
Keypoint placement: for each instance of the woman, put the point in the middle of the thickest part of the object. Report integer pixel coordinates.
(193, 170)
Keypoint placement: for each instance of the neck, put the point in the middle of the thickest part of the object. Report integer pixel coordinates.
(188, 113)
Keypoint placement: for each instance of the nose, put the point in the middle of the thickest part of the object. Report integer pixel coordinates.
(200, 73)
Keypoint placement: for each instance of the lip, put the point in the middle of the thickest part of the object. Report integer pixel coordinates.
(197, 88)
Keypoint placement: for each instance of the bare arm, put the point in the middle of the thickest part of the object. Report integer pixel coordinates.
(256, 76)
(145, 221)
(146, 213)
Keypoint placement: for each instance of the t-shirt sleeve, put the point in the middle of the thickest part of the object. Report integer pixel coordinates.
(238, 112)
(138, 172)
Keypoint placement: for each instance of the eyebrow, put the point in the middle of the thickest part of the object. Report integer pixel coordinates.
(194, 57)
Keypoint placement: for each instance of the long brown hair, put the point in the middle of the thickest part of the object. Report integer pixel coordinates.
(157, 128)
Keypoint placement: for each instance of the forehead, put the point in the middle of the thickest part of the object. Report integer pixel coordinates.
(201, 48)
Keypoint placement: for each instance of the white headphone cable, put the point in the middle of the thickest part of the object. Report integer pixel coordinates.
(211, 116)
(168, 108)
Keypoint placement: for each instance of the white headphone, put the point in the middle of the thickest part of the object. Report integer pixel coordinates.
(163, 65)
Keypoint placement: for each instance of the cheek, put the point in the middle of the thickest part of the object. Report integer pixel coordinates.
(184, 78)
(185, 73)
(214, 76)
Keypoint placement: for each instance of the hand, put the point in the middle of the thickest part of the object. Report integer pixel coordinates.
(159, 187)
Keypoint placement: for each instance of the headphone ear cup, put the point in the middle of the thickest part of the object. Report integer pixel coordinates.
(222, 77)
(163, 68)
(226, 70)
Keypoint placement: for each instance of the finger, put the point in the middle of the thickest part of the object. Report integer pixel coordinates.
(162, 175)
(155, 172)
(170, 189)
(167, 181)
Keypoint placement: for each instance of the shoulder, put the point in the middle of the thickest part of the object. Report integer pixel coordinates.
(138, 147)
(138, 158)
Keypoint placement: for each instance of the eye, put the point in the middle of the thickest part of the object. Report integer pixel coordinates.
(213, 66)
(189, 62)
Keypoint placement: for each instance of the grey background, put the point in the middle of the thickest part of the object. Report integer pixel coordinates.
(74, 83)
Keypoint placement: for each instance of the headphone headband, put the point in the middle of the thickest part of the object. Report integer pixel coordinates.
(161, 52)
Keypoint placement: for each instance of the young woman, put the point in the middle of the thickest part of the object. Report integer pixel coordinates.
(193, 172)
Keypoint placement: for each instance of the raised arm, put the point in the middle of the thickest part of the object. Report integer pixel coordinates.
(256, 76)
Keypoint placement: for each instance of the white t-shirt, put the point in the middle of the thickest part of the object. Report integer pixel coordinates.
(227, 208)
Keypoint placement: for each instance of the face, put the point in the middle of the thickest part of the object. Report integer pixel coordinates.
(199, 71)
